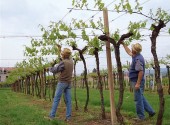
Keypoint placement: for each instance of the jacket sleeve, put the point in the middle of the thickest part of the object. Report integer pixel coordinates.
(138, 65)
(58, 68)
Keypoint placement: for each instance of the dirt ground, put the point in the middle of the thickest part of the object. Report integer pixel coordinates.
(92, 117)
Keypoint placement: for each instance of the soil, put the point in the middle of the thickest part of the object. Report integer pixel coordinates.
(92, 117)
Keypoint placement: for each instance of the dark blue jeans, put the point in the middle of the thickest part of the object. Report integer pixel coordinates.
(140, 101)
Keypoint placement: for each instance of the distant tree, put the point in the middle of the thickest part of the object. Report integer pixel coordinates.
(94, 70)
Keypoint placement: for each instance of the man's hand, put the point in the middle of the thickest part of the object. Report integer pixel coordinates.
(47, 69)
(137, 86)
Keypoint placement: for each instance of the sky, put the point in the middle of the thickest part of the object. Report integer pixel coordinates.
(20, 19)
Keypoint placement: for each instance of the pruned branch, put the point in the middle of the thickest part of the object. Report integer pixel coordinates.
(84, 49)
(106, 38)
(158, 28)
(75, 48)
(124, 36)
(79, 50)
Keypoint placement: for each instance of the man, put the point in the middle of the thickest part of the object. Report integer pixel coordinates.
(65, 67)
(136, 76)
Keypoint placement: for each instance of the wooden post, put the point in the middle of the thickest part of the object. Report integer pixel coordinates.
(109, 67)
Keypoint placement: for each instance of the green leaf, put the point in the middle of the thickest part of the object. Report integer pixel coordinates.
(92, 24)
(117, 8)
(101, 6)
(129, 8)
(140, 8)
(73, 2)
(151, 28)
(91, 51)
(84, 36)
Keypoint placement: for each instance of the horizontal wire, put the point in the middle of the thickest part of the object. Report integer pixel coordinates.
(88, 57)
(11, 36)
(125, 13)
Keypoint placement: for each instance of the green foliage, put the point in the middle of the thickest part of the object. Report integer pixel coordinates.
(99, 4)
(126, 6)
(63, 27)
(72, 43)
(134, 27)
(165, 60)
(84, 3)
(31, 51)
(162, 15)
(100, 24)
(92, 24)
(79, 3)
(80, 24)
(91, 51)
(95, 43)
(116, 35)
(151, 28)
(72, 35)
(76, 57)
(84, 35)
(117, 7)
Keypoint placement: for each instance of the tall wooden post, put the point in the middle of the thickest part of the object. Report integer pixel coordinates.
(109, 67)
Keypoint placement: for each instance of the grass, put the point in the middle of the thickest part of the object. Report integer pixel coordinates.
(20, 109)
(128, 107)
(16, 109)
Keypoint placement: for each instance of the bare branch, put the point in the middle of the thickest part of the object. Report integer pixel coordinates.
(106, 38)
(84, 49)
(124, 36)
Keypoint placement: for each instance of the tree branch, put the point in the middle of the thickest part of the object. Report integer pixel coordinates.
(84, 49)
(124, 36)
(75, 48)
(157, 28)
(106, 38)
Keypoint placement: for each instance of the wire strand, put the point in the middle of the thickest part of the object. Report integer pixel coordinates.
(99, 11)
(125, 13)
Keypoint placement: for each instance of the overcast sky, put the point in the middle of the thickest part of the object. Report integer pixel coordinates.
(21, 18)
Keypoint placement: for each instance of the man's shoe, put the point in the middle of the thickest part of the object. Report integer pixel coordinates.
(67, 120)
(48, 118)
(138, 119)
(151, 115)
